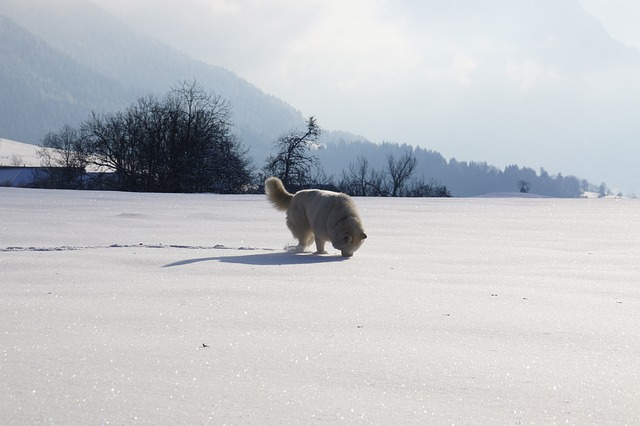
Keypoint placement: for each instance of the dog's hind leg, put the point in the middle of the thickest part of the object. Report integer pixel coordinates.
(301, 230)
(304, 236)
(304, 241)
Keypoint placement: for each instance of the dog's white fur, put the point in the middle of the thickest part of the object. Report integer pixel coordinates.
(314, 214)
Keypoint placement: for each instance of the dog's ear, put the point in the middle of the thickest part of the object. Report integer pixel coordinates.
(347, 238)
(363, 236)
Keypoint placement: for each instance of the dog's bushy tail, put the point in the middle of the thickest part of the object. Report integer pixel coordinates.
(277, 194)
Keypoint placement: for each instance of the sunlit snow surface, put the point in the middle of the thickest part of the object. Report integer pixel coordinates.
(186, 309)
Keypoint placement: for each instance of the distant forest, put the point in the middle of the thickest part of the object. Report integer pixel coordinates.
(461, 178)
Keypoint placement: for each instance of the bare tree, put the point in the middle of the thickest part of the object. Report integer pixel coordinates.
(112, 147)
(293, 162)
(65, 158)
(361, 180)
(400, 172)
(16, 160)
(182, 143)
(395, 181)
(355, 182)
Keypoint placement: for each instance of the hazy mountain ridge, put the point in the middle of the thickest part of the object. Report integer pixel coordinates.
(44, 88)
(133, 66)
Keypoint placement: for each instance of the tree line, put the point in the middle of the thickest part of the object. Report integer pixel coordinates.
(462, 178)
(184, 143)
(296, 165)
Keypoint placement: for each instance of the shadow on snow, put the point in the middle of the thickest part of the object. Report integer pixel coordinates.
(265, 259)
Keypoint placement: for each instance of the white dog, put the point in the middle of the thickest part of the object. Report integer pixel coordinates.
(320, 215)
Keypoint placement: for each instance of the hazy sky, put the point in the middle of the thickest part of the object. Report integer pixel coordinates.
(537, 83)
(620, 18)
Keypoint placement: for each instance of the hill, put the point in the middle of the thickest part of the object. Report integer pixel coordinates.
(44, 88)
(14, 153)
(81, 59)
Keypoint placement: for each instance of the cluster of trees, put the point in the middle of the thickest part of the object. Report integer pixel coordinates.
(182, 143)
(298, 167)
(394, 180)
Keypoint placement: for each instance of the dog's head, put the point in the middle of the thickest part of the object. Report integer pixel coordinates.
(349, 240)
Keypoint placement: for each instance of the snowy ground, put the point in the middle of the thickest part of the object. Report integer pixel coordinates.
(184, 309)
(14, 153)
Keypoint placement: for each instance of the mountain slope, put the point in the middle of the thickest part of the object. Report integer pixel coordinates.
(126, 66)
(18, 154)
(44, 88)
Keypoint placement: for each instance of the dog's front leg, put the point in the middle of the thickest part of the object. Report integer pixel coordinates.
(320, 246)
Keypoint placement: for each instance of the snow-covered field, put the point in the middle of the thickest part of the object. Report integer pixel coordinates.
(14, 153)
(184, 309)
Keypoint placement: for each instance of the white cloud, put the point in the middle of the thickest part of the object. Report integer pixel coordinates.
(461, 67)
(349, 44)
(528, 73)
(225, 8)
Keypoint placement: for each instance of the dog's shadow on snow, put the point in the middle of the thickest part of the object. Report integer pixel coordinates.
(265, 259)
